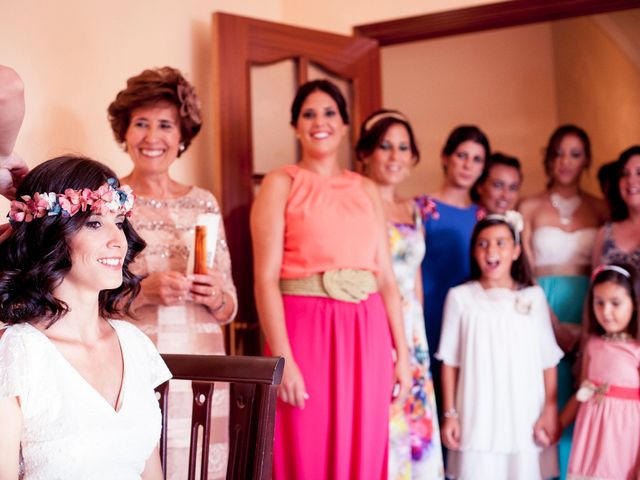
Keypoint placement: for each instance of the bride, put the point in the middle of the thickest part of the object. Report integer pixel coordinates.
(77, 396)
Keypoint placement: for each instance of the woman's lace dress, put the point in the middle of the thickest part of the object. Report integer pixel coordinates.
(168, 228)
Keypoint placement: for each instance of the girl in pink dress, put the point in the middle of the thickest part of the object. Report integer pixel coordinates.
(606, 440)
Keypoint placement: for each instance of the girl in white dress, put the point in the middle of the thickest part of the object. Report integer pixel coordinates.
(77, 397)
(499, 356)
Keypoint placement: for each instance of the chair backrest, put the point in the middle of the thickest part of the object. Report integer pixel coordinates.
(252, 409)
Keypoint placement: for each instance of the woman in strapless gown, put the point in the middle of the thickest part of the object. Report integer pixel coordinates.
(561, 224)
(618, 241)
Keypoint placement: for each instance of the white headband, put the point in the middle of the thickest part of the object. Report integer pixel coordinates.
(513, 219)
(382, 115)
(613, 268)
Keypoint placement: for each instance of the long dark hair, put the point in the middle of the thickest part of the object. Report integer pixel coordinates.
(618, 207)
(520, 269)
(35, 258)
(495, 159)
(325, 86)
(554, 143)
(371, 134)
(630, 283)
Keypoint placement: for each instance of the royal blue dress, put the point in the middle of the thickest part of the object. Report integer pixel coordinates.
(446, 265)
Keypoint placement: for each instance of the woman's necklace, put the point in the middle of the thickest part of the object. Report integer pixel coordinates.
(565, 207)
(616, 337)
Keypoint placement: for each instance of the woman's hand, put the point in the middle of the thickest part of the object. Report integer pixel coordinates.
(546, 429)
(206, 289)
(450, 433)
(402, 377)
(12, 170)
(166, 288)
(292, 389)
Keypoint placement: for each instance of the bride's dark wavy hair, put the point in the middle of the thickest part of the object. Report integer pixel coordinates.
(35, 258)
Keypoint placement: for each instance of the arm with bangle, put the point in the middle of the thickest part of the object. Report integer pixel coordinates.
(451, 426)
(267, 235)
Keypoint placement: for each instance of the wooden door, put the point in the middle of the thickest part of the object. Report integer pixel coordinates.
(240, 44)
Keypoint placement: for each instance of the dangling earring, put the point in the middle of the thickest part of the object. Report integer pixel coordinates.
(182, 148)
(124, 147)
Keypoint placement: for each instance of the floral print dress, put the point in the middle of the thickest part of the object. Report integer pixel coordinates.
(414, 435)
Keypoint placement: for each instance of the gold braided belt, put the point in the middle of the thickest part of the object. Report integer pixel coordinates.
(347, 285)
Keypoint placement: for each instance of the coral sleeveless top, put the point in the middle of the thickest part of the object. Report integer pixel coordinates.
(330, 224)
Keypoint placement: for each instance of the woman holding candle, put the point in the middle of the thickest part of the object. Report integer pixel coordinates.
(155, 118)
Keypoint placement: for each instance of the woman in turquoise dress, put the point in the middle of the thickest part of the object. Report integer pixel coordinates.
(448, 233)
(388, 150)
(560, 228)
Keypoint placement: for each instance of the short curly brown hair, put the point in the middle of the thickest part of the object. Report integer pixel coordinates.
(152, 86)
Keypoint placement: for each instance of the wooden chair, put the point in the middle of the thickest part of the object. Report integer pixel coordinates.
(252, 408)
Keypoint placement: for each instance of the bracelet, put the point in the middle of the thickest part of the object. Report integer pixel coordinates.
(221, 306)
(451, 413)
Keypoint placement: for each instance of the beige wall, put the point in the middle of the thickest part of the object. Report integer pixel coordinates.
(75, 55)
(340, 16)
(598, 87)
(500, 80)
(517, 84)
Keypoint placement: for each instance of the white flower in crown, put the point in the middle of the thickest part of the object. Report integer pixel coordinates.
(114, 204)
(128, 203)
(514, 219)
(49, 198)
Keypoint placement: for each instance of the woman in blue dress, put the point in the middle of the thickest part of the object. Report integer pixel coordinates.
(448, 232)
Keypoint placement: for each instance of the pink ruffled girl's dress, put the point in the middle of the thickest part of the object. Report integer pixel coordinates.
(606, 440)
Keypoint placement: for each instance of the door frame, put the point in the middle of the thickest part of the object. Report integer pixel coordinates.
(238, 43)
(484, 17)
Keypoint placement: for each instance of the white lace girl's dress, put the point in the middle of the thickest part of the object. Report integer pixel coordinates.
(69, 431)
(502, 341)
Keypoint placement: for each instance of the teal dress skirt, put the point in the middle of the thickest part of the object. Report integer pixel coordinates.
(566, 295)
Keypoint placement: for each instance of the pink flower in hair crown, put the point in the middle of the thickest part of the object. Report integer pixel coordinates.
(107, 198)
(20, 212)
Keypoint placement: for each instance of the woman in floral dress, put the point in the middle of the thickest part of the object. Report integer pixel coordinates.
(387, 150)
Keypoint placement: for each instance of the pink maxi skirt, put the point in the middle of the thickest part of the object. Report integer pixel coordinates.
(344, 352)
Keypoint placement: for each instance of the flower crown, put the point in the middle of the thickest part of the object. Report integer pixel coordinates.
(105, 199)
(513, 219)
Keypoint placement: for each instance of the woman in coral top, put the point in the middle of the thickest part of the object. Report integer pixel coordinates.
(328, 303)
